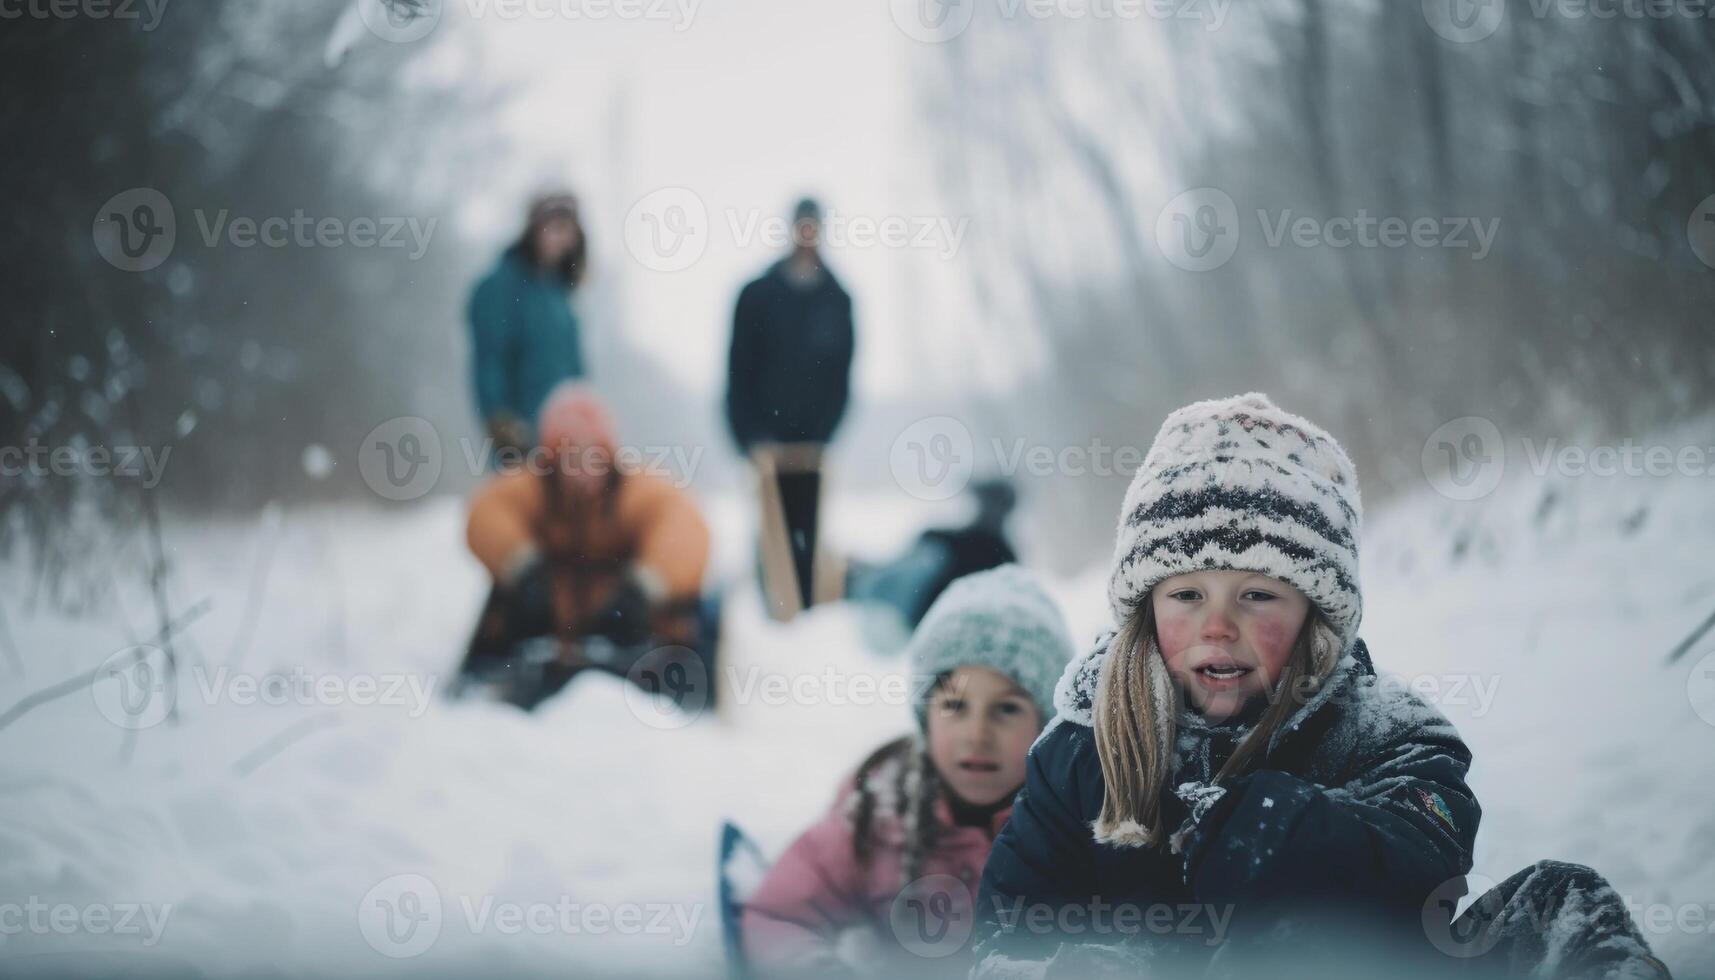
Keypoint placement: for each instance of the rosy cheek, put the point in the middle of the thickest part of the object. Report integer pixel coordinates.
(941, 750)
(1174, 635)
(1272, 641)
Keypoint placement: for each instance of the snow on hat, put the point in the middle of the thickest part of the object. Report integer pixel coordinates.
(1000, 619)
(573, 417)
(1237, 483)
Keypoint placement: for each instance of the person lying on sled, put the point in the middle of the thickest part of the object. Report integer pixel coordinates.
(582, 546)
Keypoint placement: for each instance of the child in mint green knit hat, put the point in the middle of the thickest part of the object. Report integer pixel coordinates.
(983, 665)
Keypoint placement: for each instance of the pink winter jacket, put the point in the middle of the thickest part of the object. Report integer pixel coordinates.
(817, 890)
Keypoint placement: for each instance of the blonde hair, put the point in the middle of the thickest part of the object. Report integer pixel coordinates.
(1136, 721)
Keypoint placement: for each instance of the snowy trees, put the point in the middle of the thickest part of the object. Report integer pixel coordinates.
(1068, 139)
(197, 346)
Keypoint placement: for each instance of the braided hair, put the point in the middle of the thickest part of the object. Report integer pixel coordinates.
(897, 781)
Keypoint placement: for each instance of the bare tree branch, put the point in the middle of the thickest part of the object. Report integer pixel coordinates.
(82, 680)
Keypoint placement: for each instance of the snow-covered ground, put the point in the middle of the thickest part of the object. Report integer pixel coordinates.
(332, 834)
(1544, 617)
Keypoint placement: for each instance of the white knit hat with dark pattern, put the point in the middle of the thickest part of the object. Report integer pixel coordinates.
(1000, 619)
(1237, 483)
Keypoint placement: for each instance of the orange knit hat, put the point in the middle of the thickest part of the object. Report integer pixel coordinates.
(575, 418)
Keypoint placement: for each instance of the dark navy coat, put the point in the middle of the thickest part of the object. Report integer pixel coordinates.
(789, 370)
(1359, 809)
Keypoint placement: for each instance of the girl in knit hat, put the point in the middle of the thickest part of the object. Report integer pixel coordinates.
(1225, 790)
(924, 808)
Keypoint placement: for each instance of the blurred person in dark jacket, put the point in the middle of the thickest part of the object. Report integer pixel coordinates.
(788, 381)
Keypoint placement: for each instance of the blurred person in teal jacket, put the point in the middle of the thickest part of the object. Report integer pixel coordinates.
(524, 335)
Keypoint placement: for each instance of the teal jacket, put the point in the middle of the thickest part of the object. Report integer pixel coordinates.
(524, 338)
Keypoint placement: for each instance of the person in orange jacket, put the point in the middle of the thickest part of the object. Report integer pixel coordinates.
(581, 546)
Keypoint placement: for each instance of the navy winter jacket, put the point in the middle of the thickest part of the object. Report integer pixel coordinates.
(1358, 808)
(789, 370)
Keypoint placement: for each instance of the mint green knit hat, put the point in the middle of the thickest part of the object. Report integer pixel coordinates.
(1000, 619)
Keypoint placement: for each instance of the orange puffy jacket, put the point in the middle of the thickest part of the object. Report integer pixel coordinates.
(640, 519)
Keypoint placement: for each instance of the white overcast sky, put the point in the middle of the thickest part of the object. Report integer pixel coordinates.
(752, 104)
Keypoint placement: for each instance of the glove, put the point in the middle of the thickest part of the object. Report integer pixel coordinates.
(625, 619)
(508, 433)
